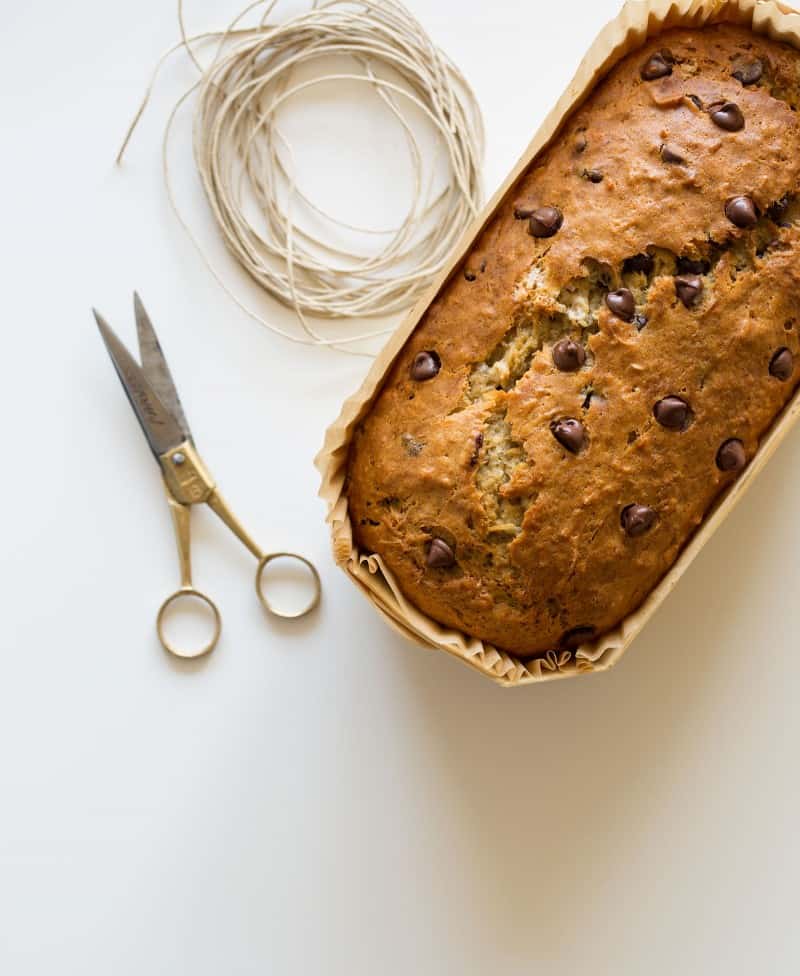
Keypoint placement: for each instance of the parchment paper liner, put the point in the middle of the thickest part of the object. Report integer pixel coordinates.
(637, 21)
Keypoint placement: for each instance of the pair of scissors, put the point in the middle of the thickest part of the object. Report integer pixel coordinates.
(155, 402)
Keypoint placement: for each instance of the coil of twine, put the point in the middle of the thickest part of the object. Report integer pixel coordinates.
(245, 163)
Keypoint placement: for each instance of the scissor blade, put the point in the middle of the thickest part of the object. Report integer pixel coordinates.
(155, 367)
(161, 431)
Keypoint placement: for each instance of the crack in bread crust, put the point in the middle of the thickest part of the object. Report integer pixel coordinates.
(501, 454)
(576, 317)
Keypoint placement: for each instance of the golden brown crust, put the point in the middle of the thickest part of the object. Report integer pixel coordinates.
(469, 457)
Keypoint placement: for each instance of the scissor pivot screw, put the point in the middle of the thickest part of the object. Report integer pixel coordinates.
(178, 457)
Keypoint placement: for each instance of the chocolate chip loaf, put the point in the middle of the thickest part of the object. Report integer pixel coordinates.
(604, 363)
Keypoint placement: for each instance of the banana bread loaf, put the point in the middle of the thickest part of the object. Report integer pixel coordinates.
(604, 363)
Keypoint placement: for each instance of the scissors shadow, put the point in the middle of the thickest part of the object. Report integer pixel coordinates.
(184, 665)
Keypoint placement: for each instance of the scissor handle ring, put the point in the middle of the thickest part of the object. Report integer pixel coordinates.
(188, 591)
(266, 602)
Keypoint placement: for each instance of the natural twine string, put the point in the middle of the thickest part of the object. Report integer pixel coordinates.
(250, 184)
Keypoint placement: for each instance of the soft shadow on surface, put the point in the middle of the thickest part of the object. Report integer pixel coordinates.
(299, 629)
(555, 785)
(182, 665)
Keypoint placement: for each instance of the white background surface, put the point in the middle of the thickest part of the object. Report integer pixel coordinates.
(324, 798)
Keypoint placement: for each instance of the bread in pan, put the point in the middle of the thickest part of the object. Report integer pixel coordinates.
(603, 365)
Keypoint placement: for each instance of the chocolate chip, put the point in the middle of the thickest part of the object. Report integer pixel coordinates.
(671, 154)
(731, 456)
(672, 413)
(655, 67)
(749, 74)
(696, 101)
(636, 519)
(622, 304)
(569, 433)
(742, 212)
(727, 115)
(688, 266)
(440, 555)
(781, 366)
(470, 275)
(568, 355)
(688, 288)
(425, 366)
(640, 321)
(522, 213)
(545, 221)
(639, 262)
(572, 639)
(592, 175)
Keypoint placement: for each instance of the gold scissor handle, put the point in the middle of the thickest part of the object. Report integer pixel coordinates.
(217, 504)
(189, 593)
(188, 483)
(181, 520)
(263, 593)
